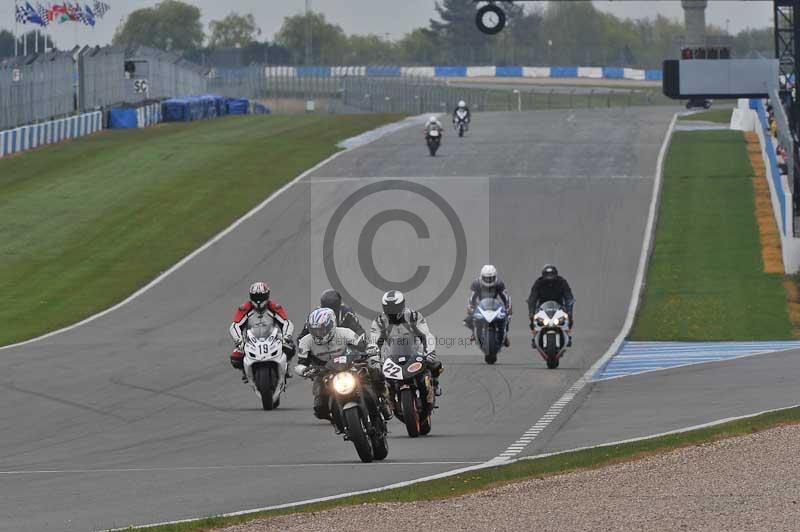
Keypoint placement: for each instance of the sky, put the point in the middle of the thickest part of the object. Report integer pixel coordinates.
(390, 18)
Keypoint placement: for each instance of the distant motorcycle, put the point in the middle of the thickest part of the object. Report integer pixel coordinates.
(353, 404)
(410, 387)
(489, 324)
(265, 362)
(461, 121)
(434, 140)
(550, 332)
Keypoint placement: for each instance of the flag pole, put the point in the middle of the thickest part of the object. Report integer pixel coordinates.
(16, 31)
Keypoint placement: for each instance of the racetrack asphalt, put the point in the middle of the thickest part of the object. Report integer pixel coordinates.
(137, 417)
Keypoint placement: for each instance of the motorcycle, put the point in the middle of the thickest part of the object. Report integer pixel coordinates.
(410, 387)
(461, 122)
(550, 333)
(265, 362)
(434, 140)
(354, 406)
(489, 321)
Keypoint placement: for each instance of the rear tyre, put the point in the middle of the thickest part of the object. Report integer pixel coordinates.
(357, 434)
(408, 402)
(266, 380)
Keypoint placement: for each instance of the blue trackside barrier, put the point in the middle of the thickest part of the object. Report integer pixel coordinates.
(24, 138)
(238, 106)
(613, 73)
(313, 72)
(653, 75)
(122, 118)
(450, 71)
(563, 72)
(773, 162)
(508, 72)
(383, 71)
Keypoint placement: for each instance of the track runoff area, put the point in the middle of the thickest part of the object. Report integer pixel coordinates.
(145, 408)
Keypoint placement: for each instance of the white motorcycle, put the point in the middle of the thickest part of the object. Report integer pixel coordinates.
(461, 122)
(551, 332)
(265, 362)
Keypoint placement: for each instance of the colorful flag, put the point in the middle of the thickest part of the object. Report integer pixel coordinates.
(89, 15)
(43, 14)
(32, 15)
(19, 14)
(101, 8)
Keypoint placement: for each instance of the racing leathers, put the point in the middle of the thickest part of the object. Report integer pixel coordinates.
(346, 318)
(411, 322)
(435, 124)
(238, 330)
(555, 289)
(461, 114)
(311, 354)
(478, 291)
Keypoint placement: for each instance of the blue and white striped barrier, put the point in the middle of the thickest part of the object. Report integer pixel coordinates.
(642, 357)
(32, 136)
(148, 115)
(466, 72)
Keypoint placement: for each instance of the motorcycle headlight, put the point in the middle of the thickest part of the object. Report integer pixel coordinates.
(344, 383)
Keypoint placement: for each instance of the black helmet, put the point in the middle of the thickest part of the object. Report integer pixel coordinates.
(331, 299)
(394, 303)
(549, 271)
(259, 295)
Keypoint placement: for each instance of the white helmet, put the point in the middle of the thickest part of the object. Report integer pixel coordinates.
(432, 119)
(488, 276)
(321, 325)
(393, 303)
(462, 104)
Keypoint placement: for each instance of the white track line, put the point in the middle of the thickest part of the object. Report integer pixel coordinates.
(552, 413)
(507, 457)
(219, 236)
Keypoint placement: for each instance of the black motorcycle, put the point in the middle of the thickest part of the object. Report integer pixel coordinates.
(353, 404)
(489, 322)
(461, 122)
(410, 387)
(434, 139)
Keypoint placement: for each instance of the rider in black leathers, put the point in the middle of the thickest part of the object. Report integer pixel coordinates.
(552, 287)
(345, 317)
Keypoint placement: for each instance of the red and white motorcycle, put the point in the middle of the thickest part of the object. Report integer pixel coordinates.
(551, 332)
(265, 362)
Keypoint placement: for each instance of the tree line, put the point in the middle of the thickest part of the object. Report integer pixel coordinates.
(563, 33)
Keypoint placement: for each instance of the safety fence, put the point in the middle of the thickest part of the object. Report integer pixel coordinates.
(466, 72)
(41, 87)
(35, 88)
(425, 95)
(32, 136)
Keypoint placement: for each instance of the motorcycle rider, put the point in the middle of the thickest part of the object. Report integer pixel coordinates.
(432, 123)
(259, 305)
(345, 317)
(394, 322)
(552, 287)
(488, 285)
(462, 107)
(326, 341)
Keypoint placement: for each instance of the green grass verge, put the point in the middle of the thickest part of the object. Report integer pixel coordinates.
(85, 223)
(705, 279)
(719, 116)
(522, 470)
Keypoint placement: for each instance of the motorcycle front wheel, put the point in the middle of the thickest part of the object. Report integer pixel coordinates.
(408, 402)
(358, 435)
(266, 380)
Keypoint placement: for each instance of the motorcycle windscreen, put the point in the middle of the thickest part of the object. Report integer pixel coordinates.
(262, 329)
(490, 303)
(550, 308)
